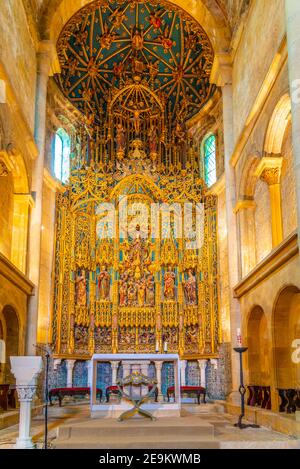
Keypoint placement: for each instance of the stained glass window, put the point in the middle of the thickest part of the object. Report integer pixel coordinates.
(62, 156)
(209, 151)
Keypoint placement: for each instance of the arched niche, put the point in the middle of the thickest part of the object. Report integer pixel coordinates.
(11, 336)
(258, 348)
(286, 328)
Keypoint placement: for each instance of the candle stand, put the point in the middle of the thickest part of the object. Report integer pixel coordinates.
(242, 391)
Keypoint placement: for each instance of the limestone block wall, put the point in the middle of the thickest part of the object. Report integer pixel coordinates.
(6, 214)
(263, 223)
(288, 186)
(18, 55)
(263, 33)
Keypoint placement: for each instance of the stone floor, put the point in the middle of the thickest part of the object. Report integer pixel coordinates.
(224, 431)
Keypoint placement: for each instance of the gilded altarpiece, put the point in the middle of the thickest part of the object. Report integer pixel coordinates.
(132, 293)
(137, 71)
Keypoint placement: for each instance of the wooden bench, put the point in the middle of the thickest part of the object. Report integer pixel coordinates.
(60, 393)
(115, 390)
(190, 390)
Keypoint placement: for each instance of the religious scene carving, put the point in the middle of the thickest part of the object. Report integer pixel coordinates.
(122, 282)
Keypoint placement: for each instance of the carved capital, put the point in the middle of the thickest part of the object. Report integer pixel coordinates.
(271, 176)
(269, 169)
(26, 393)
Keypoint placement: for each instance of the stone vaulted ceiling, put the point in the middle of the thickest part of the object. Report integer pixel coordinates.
(106, 41)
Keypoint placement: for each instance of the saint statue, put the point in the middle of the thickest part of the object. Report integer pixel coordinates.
(137, 40)
(136, 122)
(123, 292)
(141, 292)
(190, 289)
(81, 283)
(120, 139)
(169, 290)
(150, 291)
(104, 284)
(132, 294)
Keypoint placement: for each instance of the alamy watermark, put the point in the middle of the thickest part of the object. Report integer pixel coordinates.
(155, 221)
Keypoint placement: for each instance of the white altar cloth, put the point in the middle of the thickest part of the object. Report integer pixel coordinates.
(114, 410)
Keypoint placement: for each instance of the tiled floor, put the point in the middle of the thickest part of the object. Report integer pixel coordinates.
(225, 432)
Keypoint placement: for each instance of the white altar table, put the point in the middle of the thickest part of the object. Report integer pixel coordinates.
(114, 410)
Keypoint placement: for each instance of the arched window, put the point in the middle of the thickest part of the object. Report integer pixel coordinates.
(209, 153)
(62, 155)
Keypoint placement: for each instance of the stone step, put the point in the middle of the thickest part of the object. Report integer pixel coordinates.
(170, 442)
(187, 432)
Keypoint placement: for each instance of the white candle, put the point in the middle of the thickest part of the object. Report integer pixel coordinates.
(157, 346)
(239, 337)
(166, 347)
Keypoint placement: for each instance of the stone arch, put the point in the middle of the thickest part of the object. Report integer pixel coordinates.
(257, 337)
(14, 189)
(285, 329)
(58, 12)
(248, 179)
(277, 126)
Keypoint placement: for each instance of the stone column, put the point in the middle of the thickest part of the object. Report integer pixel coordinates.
(202, 366)
(114, 368)
(245, 210)
(44, 59)
(222, 76)
(90, 373)
(269, 170)
(183, 365)
(158, 368)
(25, 370)
(292, 8)
(70, 368)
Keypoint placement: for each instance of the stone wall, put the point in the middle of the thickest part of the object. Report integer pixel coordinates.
(18, 55)
(288, 186)
(6, 214)
(263, 33)
(263, 223)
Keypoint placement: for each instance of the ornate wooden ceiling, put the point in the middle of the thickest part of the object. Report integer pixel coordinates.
(108, 42)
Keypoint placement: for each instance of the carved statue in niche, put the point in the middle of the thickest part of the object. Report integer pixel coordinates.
(136, 122)
(192, 335)
(141, 292)
(132, 293)
(169, 289)
(190, 288)
(81, 337)
(150, 291)
(104, 284)
(120, 140)
(81, 285)
(123, 290)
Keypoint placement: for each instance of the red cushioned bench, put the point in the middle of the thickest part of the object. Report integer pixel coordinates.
(115, 390)
(60, 393)
(190, 390)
